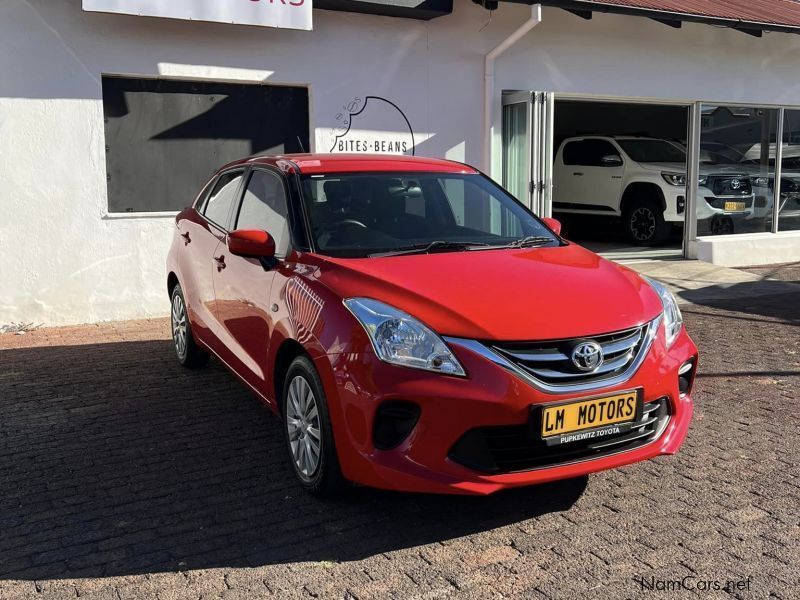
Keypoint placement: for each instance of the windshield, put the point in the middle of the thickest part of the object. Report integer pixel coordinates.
(358, 215)
(652, 151)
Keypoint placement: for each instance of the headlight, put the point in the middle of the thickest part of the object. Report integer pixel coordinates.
(702, 180)
(761, 181)
(673, 319)
(400, 339)
(674, 178)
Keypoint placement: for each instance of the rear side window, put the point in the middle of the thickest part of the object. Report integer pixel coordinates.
(218, 204)
(264, 207)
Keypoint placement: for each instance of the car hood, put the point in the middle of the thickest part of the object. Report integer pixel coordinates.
(513, 294)
(741, 170)
(670, 167)
(704, 169)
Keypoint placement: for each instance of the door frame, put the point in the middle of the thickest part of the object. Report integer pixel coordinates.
(538, 174)
(540, 130)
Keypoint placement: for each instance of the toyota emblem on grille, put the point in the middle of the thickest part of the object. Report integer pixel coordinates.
(736, 184)
(587, 356)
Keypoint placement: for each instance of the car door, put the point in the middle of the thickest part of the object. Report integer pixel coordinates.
(242, 285)
(202, 232)
(591, 179)
(564, 179)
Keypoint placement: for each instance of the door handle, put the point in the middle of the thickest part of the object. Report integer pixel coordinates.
(186, 237)
(578, 174)
(220, 262)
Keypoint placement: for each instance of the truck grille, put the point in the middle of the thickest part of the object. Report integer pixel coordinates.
(730, 185)
(507, 449)
(550, 362)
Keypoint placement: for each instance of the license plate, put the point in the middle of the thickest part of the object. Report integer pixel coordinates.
(566, 418)
(734, 206)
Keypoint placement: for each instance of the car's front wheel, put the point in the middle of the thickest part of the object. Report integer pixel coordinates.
(188, 352)
(309, 435)
(722, 225)
(645, 224)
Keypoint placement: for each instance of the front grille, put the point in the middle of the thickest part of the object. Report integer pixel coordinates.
(729, 185)
(720, 202)
(511, 448)
(550, 362)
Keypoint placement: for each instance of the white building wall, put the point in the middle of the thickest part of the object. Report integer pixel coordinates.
(621, 56)
(64, 259)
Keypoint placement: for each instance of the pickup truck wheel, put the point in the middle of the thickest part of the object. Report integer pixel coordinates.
(645, 224)
(721, 225)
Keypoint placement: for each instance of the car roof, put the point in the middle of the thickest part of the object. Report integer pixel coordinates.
(311, 164)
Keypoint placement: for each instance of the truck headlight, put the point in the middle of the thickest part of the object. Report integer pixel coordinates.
(673, 319)
(400, 339)
(674, 178)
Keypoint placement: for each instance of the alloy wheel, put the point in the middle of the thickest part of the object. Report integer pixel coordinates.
(643, 223)
(179, 325)
(303, 426)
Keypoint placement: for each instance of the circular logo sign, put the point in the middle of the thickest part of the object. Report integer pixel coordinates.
(587, 356)
(736, 184)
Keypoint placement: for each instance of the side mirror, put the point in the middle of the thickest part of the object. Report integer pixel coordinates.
(553, 224)
(611, 160)
(253, 243)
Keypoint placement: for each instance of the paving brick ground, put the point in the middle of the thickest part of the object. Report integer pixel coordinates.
(124, 476)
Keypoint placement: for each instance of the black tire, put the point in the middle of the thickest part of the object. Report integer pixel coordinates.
(325, 478)
(644, 223)
(189, 354)
(722, 225)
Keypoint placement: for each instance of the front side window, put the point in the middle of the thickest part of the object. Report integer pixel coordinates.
(219, 201)
(357, 215)
(264, 207)
(588, 153)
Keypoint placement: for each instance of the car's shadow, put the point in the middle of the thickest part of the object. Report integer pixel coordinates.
(114, 460)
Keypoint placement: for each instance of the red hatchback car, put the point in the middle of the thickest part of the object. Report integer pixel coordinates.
(416, 328)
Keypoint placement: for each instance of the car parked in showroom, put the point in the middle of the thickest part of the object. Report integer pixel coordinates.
(417, 328)
(642, 180)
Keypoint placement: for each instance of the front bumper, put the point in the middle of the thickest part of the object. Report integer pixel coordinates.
(357, 384)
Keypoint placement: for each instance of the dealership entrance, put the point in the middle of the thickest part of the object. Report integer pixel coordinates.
(613, 171)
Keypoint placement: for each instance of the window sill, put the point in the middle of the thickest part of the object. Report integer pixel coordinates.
(140, 215)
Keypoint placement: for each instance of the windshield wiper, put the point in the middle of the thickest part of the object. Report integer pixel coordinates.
(528, 241)
(430, 247)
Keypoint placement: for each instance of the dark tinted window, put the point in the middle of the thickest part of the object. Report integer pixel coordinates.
(264, 207)
(218, 203)
(588, 153)
(164, 137)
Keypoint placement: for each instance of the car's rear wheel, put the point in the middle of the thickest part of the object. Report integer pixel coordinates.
(309, 435)
(645, 224)
(188, 352)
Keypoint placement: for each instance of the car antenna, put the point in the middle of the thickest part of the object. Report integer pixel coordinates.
(303, 150)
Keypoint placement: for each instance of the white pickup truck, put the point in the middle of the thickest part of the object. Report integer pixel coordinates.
(643, 181)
